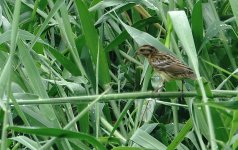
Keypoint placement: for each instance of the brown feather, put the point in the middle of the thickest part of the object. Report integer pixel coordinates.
(167, 65)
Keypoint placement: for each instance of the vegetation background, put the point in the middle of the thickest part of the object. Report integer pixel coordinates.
(70, 78)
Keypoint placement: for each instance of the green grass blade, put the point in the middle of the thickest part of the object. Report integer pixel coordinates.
(26, 141)
(125, 35)
(80, 115)
(234, 7)
(64, 61)
(197, 23)
(142, 138)
(92, 39)
(122, 115)
(181, 135)
(34, 75)
(5, 83)
(35, 80)
(184, 33)
(67, 31)
(56, 7)
(143, 38)
(183, 30)
(58, 133)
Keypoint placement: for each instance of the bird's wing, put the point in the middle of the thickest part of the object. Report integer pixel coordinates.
(171, 65)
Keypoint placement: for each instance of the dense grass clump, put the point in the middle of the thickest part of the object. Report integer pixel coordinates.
(70, 77)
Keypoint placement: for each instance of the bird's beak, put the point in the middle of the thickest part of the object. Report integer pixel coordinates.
(137, 53)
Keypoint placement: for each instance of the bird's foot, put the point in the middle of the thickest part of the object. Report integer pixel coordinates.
(159, 89)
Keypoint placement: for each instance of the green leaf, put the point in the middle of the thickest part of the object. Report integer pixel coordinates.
(60, 133)
(226, 105)
(54, 10)
(197, 23)
(93, 42)
(127, 148)
(26, 141)
(145, 140)
(234, 7)
(124, 35)
(122, 115)
(181, 135)
(213, 30)
(33, 73)
(143, 38)
(64, 61)
(35, 80)
(183, 30)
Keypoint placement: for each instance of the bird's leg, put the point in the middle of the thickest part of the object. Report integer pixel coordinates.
(182, 94)
(158, 89)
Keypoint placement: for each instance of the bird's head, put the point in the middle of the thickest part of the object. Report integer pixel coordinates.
(146, 50)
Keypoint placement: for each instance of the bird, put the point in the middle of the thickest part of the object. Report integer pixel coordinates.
(165, 64)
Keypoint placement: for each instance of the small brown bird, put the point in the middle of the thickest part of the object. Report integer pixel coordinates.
(168, 66)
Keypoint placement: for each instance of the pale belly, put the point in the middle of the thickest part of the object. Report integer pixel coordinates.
(164, 75)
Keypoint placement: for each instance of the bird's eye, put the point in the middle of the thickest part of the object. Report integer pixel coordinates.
(143, 50)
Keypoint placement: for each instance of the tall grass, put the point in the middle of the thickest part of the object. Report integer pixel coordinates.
(70, 77)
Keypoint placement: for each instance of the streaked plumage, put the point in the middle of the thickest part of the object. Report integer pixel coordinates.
(168, 66)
